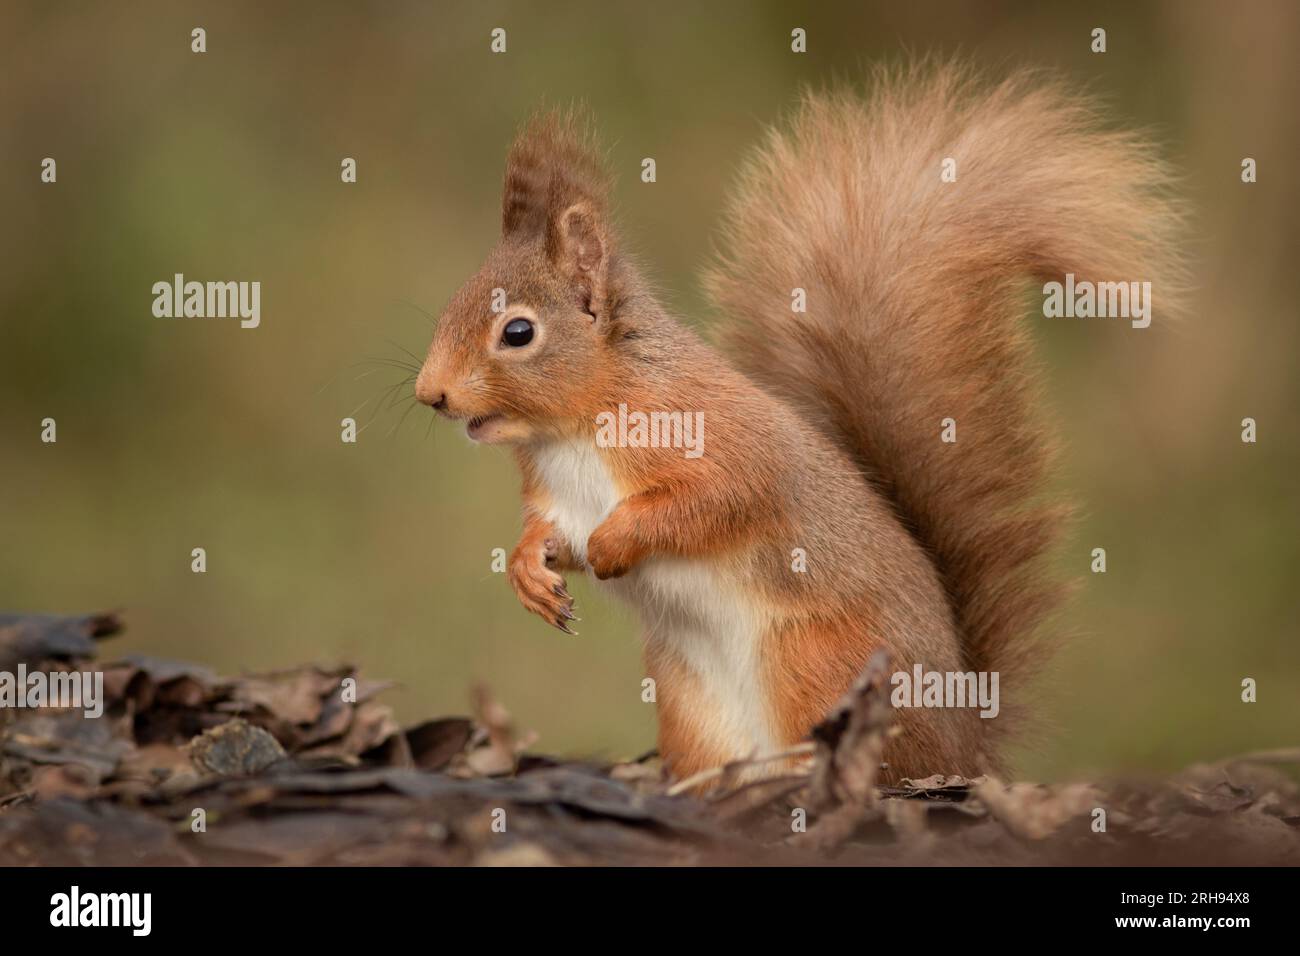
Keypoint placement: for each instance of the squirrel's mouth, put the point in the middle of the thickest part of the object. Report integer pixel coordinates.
(479, 427)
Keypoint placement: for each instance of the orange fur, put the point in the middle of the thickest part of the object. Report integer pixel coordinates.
(684, 744)
(824, 437)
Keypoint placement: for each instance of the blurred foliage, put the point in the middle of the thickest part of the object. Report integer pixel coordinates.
(175, 435)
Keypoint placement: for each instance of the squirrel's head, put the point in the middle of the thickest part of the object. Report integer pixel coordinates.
(523, 346)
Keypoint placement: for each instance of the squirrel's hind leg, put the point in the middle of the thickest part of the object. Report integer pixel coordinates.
(688, 741)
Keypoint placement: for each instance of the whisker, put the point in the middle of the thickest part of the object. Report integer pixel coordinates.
(409, 378)
(411, 305)
(418, 361)
(388, 362)
(381, 395)
(401, 421)
(397, 395)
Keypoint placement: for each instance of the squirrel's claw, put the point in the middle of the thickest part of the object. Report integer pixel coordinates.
(540, 589)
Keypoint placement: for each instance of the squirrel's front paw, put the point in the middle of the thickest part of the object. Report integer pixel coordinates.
(610, 553)
(538, 588)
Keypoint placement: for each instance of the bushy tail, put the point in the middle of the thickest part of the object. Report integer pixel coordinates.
(916, 303)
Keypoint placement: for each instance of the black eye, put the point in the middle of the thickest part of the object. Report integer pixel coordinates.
(517, 333)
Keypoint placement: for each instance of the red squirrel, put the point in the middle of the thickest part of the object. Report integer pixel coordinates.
(825, 516)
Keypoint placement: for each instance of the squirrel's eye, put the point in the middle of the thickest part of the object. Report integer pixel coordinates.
(517, 333)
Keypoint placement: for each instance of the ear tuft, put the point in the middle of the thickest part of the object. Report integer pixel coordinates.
(553, 164)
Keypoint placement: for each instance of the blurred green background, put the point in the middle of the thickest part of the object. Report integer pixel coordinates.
(181, 434)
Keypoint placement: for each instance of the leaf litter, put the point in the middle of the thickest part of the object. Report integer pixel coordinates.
(285, 768)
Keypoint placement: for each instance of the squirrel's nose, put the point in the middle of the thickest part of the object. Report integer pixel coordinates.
(429, 392)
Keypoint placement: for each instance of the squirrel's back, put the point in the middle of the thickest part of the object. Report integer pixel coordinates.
(916, 304)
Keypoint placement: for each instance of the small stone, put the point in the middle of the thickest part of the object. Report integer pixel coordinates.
(235, 749)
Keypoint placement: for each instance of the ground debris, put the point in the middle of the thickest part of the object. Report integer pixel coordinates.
(307, 766)
(235, 749)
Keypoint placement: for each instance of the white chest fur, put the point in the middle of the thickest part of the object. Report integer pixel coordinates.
(689, 604)
(581, 489)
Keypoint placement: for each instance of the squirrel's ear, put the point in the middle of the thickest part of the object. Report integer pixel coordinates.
(578, 245)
